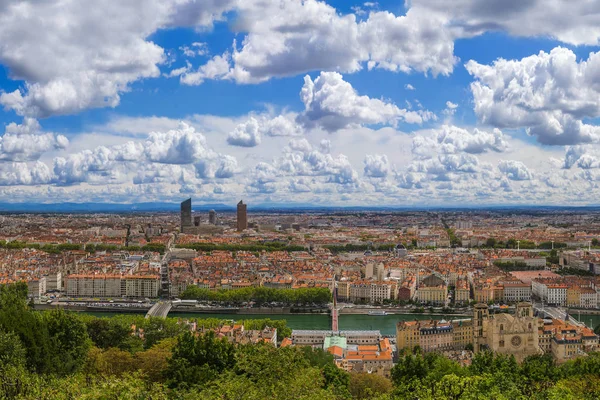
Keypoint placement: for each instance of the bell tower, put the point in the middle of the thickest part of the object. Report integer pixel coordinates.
(481, 315)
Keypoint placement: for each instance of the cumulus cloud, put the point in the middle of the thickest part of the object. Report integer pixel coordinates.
(91, 60)
(332, 103)
(289, 37)
(450, 139)
(548, 93)
(20, 173)
(216, 68)
(515, 170)
(177, 147)
(573, 22)
(245, 134)
(580, 156)
(27, 142)
(220, 166)
(376, 165)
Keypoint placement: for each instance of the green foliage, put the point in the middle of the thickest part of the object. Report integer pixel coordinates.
(549, 245)
(490, 242)
(352, 248)
(68, 341)
(154, 247)
(198, 360)
(514, 266)
(12, 352)
(267, 246)
(365, 386)
(109, 332)
(260, 295)
(574, 271)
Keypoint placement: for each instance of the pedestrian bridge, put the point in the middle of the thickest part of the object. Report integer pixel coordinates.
(160, 309)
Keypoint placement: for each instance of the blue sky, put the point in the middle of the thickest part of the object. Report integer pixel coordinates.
(337, 102)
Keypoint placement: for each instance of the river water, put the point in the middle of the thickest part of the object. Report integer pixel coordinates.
(386, 324)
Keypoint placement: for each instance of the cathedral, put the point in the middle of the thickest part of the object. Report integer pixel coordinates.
(505, 333)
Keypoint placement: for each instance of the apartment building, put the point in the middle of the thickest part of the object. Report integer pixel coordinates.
(516, 291)
(79, 285)
(434, 335)
(36, 287)
(550, 291)
(432, 290)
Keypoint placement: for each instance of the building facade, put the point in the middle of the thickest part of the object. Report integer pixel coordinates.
(185, 214)
(242, 216)
(503, 333)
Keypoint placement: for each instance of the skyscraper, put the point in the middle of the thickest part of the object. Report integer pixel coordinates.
(242, 216)
(212, 217)
(186, 214)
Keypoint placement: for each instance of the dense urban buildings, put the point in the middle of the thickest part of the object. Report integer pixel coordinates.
(470, 276)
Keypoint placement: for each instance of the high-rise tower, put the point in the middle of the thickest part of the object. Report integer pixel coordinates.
(242, 216)
(212, 217)
(186, 214)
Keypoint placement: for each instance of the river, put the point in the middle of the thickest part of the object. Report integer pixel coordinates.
(386, 324)
(590, 320)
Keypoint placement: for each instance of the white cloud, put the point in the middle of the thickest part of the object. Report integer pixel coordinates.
(27, 142)
(220, 166)
(196, 49)
(450, 108)
(450, 139)
(573, 22)
(332, 103)
(408, 86)
(289, 37)
(377, 165)
(178, 146)
(24, 174)
(73, 57)
(548, 93)
(515, 170)
(245, 134)
(216, 68)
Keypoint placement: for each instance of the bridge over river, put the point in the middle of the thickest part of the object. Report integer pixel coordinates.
(160, 309)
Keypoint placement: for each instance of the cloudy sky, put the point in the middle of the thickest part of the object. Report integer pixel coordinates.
(422, 102)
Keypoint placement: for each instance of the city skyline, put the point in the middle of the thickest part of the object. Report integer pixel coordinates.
(326, 103)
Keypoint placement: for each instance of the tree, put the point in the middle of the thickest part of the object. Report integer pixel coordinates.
(69, 341)
(197, 360)
(108, 332)
(490, 242)
(12, 351)
(154, 361)
(365, 386)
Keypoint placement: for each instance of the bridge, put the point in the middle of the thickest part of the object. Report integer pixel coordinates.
(556, 313)
(160, 309)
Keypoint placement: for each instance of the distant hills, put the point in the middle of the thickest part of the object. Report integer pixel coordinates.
(265, 207)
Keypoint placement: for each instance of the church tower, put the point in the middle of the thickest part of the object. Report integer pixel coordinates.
(481, 315)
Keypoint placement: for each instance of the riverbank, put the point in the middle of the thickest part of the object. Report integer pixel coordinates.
(143, 308)
(350, 322)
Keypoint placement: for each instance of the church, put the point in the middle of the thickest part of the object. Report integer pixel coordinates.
(506, 333)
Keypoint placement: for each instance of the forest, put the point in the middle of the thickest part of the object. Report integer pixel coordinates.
(64, 355)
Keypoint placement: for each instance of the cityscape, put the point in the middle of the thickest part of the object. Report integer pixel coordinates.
(300, 199)
(517, 282)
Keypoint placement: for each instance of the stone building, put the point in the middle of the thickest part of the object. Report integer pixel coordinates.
(505, 333)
